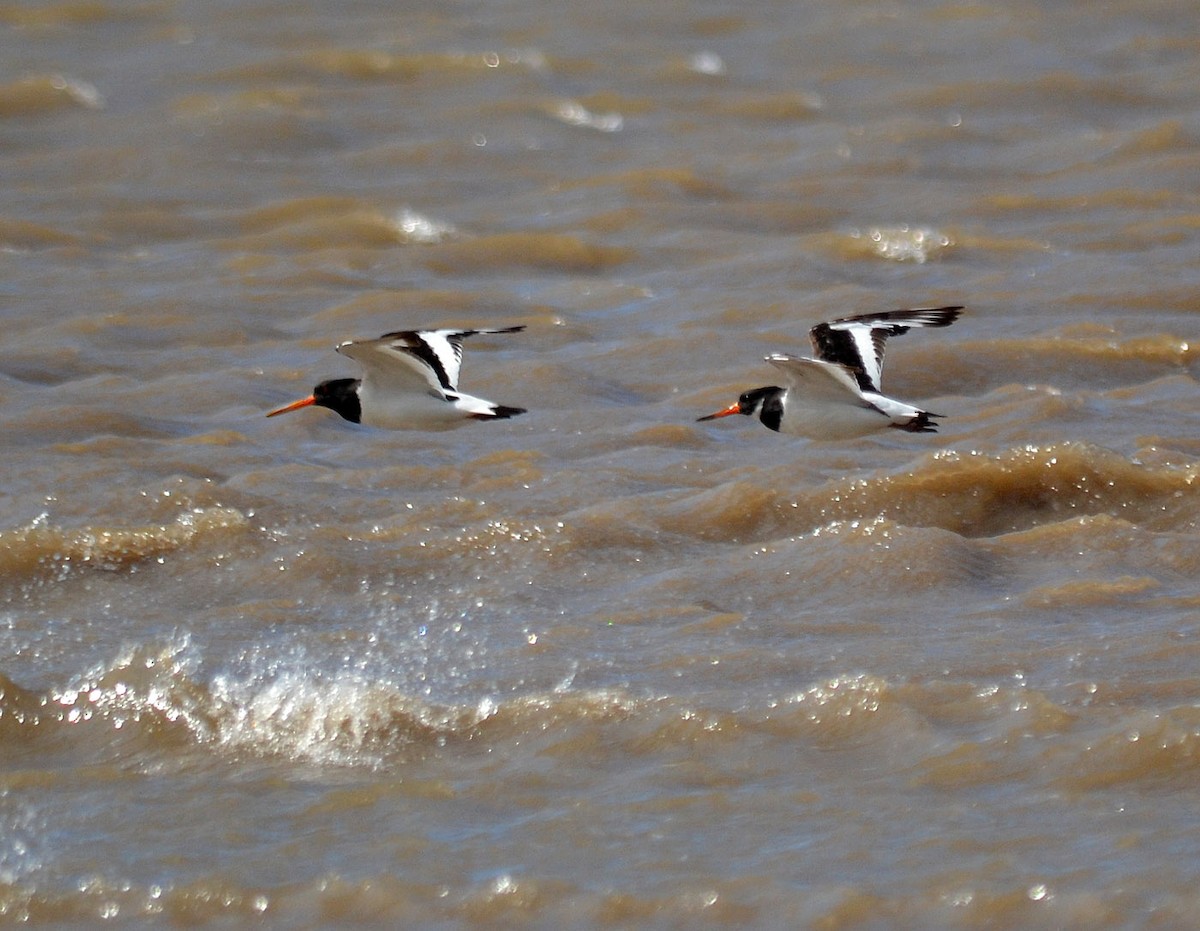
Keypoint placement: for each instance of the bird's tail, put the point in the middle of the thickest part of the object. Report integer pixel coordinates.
(498, 412)
(923, 422)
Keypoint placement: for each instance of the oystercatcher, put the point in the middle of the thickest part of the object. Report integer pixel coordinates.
(836, 395)
(410, 380)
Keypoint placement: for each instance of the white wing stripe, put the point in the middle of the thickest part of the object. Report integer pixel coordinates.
(868, 359)
(444, 349)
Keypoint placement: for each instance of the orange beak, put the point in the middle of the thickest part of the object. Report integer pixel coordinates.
(733, 408)
(295, 405)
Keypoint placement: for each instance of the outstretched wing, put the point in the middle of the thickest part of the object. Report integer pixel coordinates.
(817, 382)
(858, 342)
(415, 360)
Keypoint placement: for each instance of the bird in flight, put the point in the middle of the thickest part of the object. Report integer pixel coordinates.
(409, 380)
(835, 394)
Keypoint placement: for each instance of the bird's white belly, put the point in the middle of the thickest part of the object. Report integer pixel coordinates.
(409, 411)
(830, 421)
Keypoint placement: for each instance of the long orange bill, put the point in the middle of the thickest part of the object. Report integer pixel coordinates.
(733, 408)
(295, 405)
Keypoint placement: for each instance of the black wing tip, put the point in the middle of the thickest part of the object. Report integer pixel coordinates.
(935, 316)
(476, 331)
(906, 317)
(943, 316)
(460, 333)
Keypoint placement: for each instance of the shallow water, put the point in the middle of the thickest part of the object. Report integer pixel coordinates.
(599, 665)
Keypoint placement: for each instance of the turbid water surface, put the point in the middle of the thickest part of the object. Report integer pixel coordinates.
(599, 665)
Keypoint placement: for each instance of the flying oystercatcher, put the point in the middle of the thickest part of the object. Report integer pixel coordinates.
(836, 395)
(409, 380)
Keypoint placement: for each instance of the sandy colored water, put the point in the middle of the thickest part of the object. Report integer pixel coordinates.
(599, 665)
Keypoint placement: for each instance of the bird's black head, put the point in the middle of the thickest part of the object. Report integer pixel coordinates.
(767, 402)
(340, 395)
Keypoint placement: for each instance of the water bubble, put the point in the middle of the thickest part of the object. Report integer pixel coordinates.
(707, 63)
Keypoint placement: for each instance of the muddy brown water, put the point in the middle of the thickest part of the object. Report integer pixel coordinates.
(599, 665)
